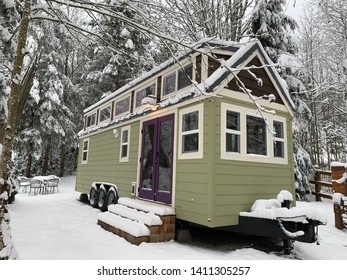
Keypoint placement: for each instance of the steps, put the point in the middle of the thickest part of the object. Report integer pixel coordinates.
(139, 221)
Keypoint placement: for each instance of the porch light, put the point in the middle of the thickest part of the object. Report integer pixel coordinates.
(150, 102)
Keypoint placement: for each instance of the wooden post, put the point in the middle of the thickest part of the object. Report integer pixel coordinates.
(317, 187)
(339, 176)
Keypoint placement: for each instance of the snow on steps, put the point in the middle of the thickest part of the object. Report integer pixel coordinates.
(139, 221)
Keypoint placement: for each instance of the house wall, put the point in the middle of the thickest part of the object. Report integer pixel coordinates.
(103, 161)
(237, 184)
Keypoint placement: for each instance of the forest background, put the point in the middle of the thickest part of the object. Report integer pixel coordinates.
(59, 57)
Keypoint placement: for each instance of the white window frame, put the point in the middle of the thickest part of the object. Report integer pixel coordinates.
(90, 115)
(176, 80)
(102, 108)
(232, 131)
(142, 88)
(199, 153)
(121, 144)
(243, 156)
(279, 139)
(85, 161)
(119, 100)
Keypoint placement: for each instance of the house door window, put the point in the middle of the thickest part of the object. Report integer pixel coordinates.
(156, 159)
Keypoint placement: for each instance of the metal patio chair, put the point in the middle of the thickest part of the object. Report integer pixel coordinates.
(36, 186)
(24, 183)
(52, 183)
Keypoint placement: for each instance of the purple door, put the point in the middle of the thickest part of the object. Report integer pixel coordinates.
(156, 159)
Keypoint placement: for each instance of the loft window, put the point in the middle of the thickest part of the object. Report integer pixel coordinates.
(256, 136)
(91, 120)
(143, 93)
(279, 139)
(122, 106)
(178, 80)
(105, 114)
(232, 132)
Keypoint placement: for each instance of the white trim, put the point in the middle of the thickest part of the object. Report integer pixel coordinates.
(89, 115)
(198, 154)
(117, 101)
(85, 151)
(121, 144)
(243, 156)
(102, 108)
(175, 71)
(154, 81)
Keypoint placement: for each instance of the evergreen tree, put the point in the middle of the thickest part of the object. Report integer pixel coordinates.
(275, 30)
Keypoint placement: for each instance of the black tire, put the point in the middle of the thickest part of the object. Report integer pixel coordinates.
(94, 197)
(112, 197)
(102, 199)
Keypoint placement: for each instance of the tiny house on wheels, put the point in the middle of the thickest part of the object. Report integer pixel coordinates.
(205, 134)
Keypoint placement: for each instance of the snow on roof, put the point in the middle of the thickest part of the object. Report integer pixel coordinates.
(338, 164)
(157, 209)
(199, 46)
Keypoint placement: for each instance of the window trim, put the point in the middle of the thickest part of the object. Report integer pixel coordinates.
(90, 115)
(85, 151)
(176, 71)
(102, 108)
(121, 144)
(154, 82)
(279, 139)
(119, 100)
(243, 155)
(198, 154)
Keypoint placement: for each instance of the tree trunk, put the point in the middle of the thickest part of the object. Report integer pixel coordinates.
(46, 159)
(30, 160)
(62, 159)
(6, 246)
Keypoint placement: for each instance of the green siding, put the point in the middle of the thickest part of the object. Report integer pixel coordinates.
(103, 161)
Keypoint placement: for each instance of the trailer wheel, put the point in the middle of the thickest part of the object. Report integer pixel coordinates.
(93, 196)
(112, 196)
(102, 199)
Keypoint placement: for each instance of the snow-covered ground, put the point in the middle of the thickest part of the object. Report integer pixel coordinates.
(57, 235)
(59, 227)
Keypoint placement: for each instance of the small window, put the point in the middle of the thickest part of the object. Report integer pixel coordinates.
(233, 132)
(279, 139)
(105, 114)
(124, 144)
(143, 93)
(185, 77)
(190, 132)
(91, 120)
(122, 106)
(191, 135)
(169, 84)
(85, 151)
(256, 136)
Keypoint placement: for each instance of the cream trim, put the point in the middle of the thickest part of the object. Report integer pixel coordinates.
(85, 151)
(124, 159)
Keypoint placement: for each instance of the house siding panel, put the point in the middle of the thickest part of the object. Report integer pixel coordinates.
(103, 163)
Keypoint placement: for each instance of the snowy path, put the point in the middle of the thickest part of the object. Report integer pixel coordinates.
(58, 227)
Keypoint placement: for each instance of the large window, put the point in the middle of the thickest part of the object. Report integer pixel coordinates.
(143, 93)
(124, 144)
(256, 136)
(178, 80)
(191, 135)
(105, 114)
(122, 106)
(246, 136)
(85, 151)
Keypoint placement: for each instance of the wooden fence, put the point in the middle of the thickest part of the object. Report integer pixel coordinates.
(327, 182)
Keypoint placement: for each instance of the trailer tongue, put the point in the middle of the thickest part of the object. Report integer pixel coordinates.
(273, 218)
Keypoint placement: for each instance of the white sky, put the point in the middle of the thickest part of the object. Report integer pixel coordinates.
(294, 8)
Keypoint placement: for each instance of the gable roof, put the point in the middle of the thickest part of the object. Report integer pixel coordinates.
(241, 52)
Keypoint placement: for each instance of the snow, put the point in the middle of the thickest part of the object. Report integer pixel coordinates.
(59, 227)
(147, 207)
